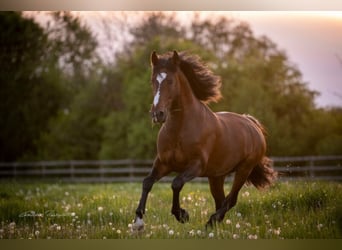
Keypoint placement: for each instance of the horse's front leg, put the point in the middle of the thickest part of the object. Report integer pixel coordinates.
(177, 185)
(158, 171)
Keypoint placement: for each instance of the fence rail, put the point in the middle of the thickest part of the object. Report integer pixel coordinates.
(129, 170)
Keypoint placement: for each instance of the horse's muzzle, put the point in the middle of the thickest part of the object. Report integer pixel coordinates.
(158, 116)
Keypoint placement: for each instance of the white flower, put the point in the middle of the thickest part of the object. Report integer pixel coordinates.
(235, 236)
(237, 225)
(100, 209)
(118, 231)
(245, 194)
(73, 214)
(171, 232)
(211, 235)
(252, 237)
(228, 221)
(277, 231)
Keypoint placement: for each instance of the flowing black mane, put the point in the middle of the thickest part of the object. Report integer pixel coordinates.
(204, 84)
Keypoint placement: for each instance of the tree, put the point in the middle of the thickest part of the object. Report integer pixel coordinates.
(31, 90)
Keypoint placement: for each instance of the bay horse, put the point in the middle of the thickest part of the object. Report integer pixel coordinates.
(195, 142)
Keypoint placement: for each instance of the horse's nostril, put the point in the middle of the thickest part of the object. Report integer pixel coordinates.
(160, 114)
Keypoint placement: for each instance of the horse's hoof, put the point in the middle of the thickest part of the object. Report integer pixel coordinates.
(182, 215)
(212, 221)
(138, 225)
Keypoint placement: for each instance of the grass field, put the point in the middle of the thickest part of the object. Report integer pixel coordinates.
(105, 211)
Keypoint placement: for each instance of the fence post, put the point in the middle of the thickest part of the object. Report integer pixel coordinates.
(311, 167)
(43, 170)
(72, 171)
(15, 171)
(131, 172)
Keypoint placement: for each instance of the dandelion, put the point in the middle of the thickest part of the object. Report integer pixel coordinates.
(171, 232)
(211, 235)
(235, 236)
(73, 214)
(100, 209)
(118, 231)
(252, 237)
(277, 231)
(104, 238)
(36, 233)
(237, 225)
(192, 232)
(245, 194)
(199, 232)
(66, 193)
(58, 228)
(228, 222)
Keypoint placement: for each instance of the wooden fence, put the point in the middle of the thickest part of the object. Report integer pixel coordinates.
(290, 168)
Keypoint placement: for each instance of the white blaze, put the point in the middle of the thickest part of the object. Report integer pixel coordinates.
(160, 78)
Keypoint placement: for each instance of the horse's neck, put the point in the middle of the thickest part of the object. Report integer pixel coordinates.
(187, 109)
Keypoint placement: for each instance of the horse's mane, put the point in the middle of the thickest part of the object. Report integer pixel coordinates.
(204, 84)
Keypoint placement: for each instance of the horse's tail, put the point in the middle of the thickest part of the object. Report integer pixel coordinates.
(263, 174)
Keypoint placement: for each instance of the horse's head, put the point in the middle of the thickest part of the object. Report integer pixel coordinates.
(164, 84)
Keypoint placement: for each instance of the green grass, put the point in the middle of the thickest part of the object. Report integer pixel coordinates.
(97, 211)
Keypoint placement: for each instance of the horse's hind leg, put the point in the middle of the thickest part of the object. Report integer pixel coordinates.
(240, 178)
(217, 190)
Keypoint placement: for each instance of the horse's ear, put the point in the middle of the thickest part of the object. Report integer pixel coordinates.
(154, 58)
(175, 58)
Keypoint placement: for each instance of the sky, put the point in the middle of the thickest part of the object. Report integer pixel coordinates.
(312, 41)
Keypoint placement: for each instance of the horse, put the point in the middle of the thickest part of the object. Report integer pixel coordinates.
(195, 142)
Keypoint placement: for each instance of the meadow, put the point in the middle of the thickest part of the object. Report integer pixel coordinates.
(288, 210)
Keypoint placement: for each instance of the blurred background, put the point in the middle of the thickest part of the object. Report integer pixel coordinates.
(76, 85)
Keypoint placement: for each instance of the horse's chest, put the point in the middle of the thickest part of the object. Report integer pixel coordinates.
(173, 154)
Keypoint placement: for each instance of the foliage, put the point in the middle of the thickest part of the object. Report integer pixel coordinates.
(60, 101)
(303, 210)
(31, 85)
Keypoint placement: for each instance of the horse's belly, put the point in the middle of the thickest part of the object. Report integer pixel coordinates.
(220, 167)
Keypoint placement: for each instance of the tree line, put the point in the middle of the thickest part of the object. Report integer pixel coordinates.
(60, 100)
